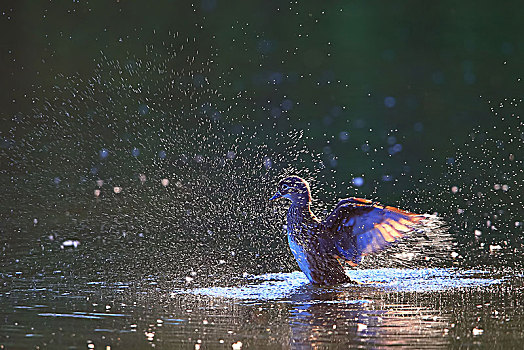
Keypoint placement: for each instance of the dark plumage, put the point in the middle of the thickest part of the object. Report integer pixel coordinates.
(356, 227)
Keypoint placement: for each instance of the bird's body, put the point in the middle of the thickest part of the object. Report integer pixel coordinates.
(355, 228)
(310, 248)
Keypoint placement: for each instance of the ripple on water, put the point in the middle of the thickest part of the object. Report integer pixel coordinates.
(275, 286)
(84, 316)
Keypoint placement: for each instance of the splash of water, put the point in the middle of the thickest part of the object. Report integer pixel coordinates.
(278, 286)
(158, 169)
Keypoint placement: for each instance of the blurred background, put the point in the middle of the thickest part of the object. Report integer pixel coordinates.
(149, 135)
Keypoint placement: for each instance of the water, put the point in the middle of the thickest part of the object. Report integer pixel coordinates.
(139, 145)
(412, 308)
(115, 270)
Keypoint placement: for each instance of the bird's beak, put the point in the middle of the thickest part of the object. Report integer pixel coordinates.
(276, 196)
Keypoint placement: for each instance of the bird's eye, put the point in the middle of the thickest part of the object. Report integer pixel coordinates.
(285, 187)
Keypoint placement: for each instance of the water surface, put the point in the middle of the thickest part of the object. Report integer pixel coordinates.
(412, 308)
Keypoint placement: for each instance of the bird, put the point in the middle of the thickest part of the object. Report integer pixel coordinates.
(355, 228)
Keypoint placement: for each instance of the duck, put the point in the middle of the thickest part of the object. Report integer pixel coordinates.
(355, 228)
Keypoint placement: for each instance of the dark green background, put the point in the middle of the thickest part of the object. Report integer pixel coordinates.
(204, 78)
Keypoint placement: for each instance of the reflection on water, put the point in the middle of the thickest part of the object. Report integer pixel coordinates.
(274, 286)
(410, 308)
(354, 315)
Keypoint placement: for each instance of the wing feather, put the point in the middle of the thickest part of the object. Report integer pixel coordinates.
(358, 227)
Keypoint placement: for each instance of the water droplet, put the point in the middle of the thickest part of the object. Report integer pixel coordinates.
(344, 136)
(390, 102)
(268, 163)
(103, 153)
(358, 181)
(477, 331)
(361, 327)
(70, 244)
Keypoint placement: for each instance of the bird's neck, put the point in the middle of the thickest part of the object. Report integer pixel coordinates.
(299, 210)
(299, 217)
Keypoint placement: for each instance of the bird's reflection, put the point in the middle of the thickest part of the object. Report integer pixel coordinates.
(405, 308)
(395, 307)
(361, 317)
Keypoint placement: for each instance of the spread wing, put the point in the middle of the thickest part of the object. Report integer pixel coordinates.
(358, 227)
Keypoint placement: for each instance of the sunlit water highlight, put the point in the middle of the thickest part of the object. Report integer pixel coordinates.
(276, 286)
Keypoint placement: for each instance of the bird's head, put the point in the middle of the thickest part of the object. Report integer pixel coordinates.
(295, 189)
